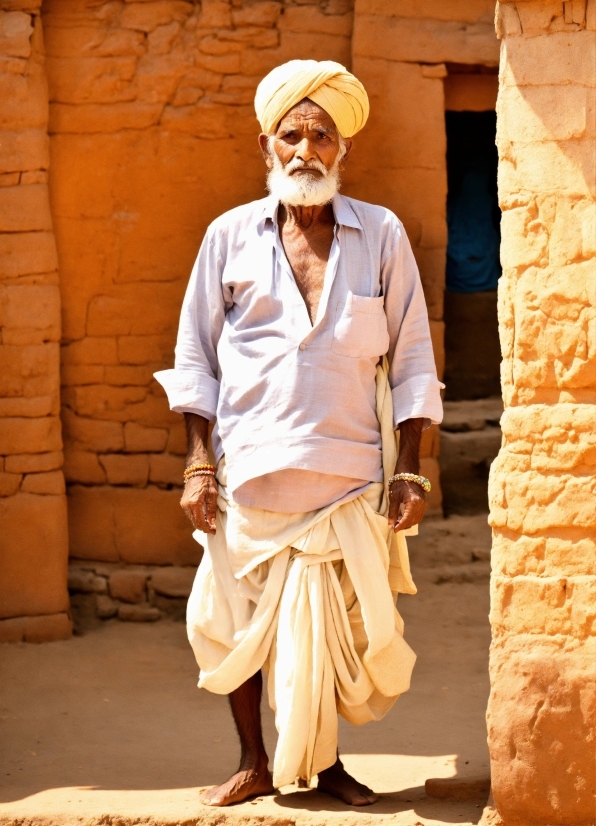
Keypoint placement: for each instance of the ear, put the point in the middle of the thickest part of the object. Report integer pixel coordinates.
(349, 143)
(264, 145)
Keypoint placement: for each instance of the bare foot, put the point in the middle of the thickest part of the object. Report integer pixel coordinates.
(338, 783)
(242, 785)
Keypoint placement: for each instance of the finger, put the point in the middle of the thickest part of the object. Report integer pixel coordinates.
(412, 515)
(211, 508)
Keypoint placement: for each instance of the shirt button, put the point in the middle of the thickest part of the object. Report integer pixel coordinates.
(302, 347)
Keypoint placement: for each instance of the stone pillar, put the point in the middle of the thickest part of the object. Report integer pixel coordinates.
(543, 484)
(33, 536)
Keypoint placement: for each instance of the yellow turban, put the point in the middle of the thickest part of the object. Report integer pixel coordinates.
(326, 83)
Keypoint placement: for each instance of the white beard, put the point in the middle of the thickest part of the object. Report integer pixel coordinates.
(303, 189)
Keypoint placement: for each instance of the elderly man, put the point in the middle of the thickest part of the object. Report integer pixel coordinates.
(304, 338)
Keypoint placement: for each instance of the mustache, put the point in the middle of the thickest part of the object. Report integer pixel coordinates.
(297, 164)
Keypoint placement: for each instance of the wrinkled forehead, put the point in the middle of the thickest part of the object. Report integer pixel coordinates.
(307, 115)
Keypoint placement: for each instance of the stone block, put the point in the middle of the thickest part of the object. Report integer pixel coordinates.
(91, 350)
(51, 482)
(139, 613)
(541, 709)
(165, 469)
(34, 462)
(144, 349)
(309, 19)
(24, 208)
(122, 469)
(83, 581)
(91, 79)
(423, 41)
(79, 374)
(541, 605)
(33, 307)
(528, 61)
(9, 483)
(105, 607)
(24, 100)
(527, 113)
(36, 629)
(83, 467)
(27, 253)
(28, 371)
(33, 555)
(126, 375)
(30, 435)
(32, 408)
(103, 117)
(266, 14)
(146, 17)
(543, 556)
(138, 439)
(445, 10)
(173, 582)
(120, 317)
(177, 440)
(140, 526)
(321, 46)
(100, 436)
(129, 586)
(15, 34)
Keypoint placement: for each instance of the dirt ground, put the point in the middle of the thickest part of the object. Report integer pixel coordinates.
(109, 729)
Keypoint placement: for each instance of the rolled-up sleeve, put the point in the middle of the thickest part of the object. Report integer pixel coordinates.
(415, 387)
(193, 385)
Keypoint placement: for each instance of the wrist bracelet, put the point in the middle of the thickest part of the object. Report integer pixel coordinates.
(198, 466)
(411, 477)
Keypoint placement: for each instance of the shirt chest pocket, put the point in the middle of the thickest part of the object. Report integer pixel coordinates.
(360, 328)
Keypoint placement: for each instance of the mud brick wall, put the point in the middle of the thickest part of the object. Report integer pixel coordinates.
(543, 484)
(400, 49)
(153, 135)
(33, 538)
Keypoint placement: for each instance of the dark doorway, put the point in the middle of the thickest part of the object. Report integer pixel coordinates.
(470, 436)
(473, 268)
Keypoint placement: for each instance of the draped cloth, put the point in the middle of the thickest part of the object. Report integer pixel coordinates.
(326, 83)
(310, 597)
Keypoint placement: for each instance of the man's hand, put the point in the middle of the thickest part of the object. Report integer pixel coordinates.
(412, 497)
(199, 502)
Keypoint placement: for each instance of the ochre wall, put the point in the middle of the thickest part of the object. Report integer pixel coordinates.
(543, 484)
(33, 537)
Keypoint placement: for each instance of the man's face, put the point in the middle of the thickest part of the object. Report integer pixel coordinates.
(305, 156)
(306, 133)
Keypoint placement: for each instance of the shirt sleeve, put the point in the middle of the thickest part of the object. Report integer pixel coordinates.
(413, 379)
(193, 385)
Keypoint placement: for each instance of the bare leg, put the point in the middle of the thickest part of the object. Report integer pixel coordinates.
(253, 776)
(337, 782)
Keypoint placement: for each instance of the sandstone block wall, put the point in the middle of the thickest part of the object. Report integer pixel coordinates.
(543, 484)
(33, 537)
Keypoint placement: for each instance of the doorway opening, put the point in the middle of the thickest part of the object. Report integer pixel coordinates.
(470, 435)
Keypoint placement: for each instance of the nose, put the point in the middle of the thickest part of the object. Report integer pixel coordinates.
(305, 150)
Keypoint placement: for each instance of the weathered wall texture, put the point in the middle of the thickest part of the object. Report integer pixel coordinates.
(543, 485)
(400, 50)
(33, 538)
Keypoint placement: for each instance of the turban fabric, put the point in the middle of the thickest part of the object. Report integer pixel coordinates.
(326, 83)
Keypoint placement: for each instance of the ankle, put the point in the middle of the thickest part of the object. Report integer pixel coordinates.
(254, 761)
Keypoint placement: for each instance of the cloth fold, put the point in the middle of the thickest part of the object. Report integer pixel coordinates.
(311, 598)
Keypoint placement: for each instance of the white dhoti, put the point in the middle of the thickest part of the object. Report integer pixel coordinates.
(310, 597)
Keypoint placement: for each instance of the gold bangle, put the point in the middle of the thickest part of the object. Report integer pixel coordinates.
(411, 477)
(198, 466)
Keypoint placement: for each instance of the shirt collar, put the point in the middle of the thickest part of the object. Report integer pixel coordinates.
(342, 209)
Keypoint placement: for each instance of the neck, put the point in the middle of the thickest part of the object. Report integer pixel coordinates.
(305, 216)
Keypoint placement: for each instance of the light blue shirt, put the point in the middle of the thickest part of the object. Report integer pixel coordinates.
(285, 393)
